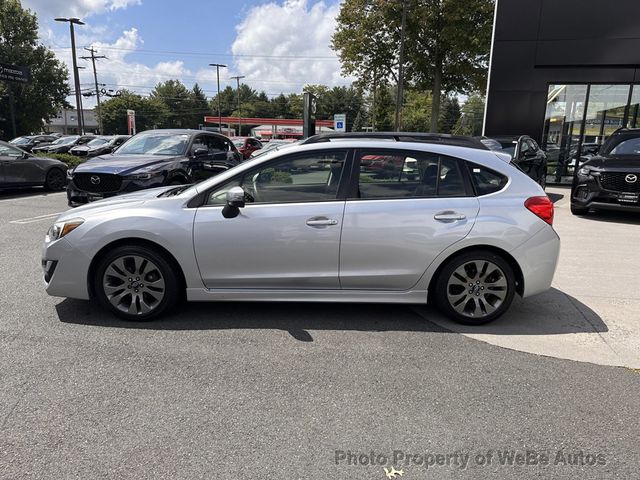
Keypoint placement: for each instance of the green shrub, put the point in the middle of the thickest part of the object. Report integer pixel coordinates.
(70, 160)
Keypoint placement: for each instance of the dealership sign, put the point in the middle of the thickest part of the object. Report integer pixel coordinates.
(14, 73)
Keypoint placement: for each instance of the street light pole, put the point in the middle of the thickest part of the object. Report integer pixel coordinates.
(218, 66)
(76, 77)
(399, 96)
(237, 79)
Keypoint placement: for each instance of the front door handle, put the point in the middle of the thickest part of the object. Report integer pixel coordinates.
(449, 216)
(321, 222)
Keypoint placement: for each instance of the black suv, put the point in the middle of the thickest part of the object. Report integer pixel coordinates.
(64, 144)
(525, 153)
(610, 180)
(27, 143)
(151, 159)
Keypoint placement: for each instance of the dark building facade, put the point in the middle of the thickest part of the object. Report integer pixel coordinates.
(565, 72)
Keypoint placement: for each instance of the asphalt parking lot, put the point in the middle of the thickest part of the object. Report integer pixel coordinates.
(303, 391)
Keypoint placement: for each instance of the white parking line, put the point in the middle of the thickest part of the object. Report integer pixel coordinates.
(39, 218)
(27, 196)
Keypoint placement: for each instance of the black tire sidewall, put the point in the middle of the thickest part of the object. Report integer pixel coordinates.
(47, 180)
(441, 286)
(166, 269)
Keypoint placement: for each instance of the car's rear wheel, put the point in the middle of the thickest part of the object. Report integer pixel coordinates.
(56, 180)
(576, 210)
(136, 283)
(475, 287)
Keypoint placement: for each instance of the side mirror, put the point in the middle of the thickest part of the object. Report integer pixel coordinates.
(200, 152)
(529, 154)
(235, 201)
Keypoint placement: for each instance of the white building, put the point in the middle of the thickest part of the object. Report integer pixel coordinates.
(66, 122)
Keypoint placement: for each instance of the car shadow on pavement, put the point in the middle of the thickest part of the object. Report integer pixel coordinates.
(630, 218)
(550, 313)
(11, 193)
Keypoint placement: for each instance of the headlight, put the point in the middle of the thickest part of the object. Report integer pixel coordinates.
(585, 172)
(60, 229)
(140, 176)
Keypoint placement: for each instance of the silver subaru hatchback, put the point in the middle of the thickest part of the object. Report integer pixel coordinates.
(350, 221)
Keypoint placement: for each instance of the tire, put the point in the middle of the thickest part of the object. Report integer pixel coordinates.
(475, 288)
(55, 180)
(576, 210)
(135, 283)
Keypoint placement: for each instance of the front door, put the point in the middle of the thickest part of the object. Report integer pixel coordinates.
(18, 169)
(288, 234)
(409, 206)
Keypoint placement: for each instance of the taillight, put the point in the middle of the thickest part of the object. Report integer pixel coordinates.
(541, 207)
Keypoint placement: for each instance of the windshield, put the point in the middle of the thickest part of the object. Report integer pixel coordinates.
(624, 146)
(20, 141)
(97, 142)
(156, 144)
(65, 140)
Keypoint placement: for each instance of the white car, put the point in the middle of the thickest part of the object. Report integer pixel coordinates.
(468, 231)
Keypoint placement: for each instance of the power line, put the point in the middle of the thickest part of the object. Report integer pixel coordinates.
(93, 59)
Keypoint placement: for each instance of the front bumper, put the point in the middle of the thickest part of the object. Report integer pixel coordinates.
(65, 270)
(589, 193)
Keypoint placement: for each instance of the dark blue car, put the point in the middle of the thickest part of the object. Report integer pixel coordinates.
(152, 159)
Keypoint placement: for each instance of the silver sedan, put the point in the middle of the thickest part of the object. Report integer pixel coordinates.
(349, 221)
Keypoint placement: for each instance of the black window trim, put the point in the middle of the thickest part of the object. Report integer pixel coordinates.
(355, 174)
(200, 200)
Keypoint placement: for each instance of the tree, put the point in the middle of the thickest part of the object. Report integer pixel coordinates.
(471, 120)
(178, 101)
(449, 114)
(150, 113)
(447, 44)
(199, 105)
(48, 91)
(383, 110)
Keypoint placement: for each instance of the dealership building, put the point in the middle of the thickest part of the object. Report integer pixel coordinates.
(565, 72)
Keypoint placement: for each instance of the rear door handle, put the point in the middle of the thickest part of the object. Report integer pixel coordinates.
(321, 222)
(449, 216)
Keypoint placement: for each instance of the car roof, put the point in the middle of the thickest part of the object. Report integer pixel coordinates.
(179, 131)
(412, 137)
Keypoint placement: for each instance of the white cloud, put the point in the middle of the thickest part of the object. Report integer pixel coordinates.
(75, 8)
(289, 29)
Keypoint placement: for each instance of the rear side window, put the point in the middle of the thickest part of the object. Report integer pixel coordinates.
(485, 180)
(398, 174)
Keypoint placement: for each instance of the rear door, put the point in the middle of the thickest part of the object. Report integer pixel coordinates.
(405, 207)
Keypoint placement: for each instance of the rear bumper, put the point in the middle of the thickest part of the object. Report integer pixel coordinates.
(538, 259)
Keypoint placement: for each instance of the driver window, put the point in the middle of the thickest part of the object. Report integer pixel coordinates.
(309, 177)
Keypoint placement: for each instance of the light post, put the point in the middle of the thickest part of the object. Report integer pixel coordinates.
(237, 79)
(218, 66)
(76, 78)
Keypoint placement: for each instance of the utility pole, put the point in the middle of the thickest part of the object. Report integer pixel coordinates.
(76, 77)
(218, 66)
(93, 59)
(237, 79)
(399, 96)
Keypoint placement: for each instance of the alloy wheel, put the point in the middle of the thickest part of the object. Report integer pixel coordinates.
(133, 284)
(477, 288)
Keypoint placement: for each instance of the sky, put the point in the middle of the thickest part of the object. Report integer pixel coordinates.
(278, 45)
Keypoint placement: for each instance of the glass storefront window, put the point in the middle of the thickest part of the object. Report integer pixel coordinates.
(579, 118)
(563, 124)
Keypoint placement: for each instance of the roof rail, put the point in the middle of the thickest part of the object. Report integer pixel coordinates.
(437, 138)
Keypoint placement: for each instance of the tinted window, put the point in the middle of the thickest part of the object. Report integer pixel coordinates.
(405, 175)
(308, 177)
(485, 180)
(627, 147)
(7, 151)
(210, 143)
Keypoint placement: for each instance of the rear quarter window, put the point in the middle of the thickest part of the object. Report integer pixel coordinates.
(485, 180)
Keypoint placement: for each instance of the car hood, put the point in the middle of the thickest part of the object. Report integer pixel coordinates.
(122, 164)
(109, 204)
(615, 162)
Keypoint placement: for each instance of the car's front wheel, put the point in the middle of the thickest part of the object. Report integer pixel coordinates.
(475, 287)
(56, 180)
(136, 283)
